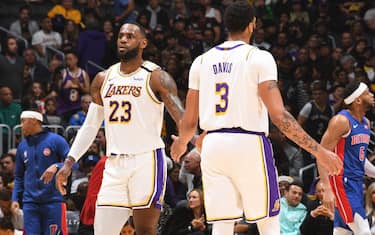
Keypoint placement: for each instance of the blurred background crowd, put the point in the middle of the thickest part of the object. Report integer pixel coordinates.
(52, 49)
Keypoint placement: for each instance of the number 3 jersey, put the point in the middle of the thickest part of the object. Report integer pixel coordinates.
(132, 113)
(227, 77)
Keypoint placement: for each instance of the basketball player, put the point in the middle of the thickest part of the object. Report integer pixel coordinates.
(348, 133)
(130, 97)
(237, 83)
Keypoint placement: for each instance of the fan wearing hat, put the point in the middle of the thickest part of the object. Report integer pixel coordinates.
(38, 157)
(348, 133)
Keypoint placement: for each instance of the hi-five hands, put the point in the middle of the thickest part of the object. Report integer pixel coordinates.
(330, 161)
(178, 148)
(63, 174)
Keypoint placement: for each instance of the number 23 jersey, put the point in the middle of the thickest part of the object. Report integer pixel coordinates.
(227, 77)
(132, 113)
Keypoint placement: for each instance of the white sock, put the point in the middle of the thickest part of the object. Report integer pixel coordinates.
(269, 226)
(109, 220)
(223, 228)
(360, 225)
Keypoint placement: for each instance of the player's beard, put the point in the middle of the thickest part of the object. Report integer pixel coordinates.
(128, 55)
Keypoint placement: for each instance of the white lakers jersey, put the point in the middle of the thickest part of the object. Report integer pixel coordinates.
(227, 77)
(132, 113)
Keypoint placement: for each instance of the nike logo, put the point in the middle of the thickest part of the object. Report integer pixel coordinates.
(355, 125)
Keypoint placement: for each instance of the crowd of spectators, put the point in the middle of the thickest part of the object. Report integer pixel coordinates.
(319, 46)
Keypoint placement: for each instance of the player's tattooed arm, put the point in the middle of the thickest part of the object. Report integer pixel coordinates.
(289, 126)
(270, 94)
(164, 87)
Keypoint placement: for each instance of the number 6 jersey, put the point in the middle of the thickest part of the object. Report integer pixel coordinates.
(221, 74)
(132, 113)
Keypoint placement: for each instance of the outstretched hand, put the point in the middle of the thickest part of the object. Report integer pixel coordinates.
(48, 174)
(330, 161)
(62, 178)
(328, 199)
(177, 149)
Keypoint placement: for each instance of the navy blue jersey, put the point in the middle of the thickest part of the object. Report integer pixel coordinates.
(34, 155)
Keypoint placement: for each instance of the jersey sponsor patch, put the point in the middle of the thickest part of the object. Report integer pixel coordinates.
(47, 152)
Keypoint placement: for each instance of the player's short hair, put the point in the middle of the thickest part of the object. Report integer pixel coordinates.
(351, 87)
(238, 15)
(141, 28)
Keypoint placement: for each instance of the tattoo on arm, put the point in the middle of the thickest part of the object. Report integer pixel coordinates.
(169, 96)
(272, 85)
(290, 127)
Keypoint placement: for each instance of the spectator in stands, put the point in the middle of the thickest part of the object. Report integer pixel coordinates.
(191, 164)
(319, 219)
(288, 158)
(6, 211)
(65, 10)
(208, 39)
(46, 37)
(70, 35)
(159, 36)
(174, 49)
(346, 42)
(336, 97)
(34, 98)
(75, 82)
(110, 44)
(175, 191)
(128, 228)
(348, 64)
(284, 182)
(7, 227)
(292, 211)
(11, 67)
(190, 219)
(91, 46)
(7, 162)
(86, 166)
(369, 17)
(211, 12)
(298, 13)
(24, 27)
(156, 14)
(321, 28)
(124, 11)
(100, 138)
(9, 112)
(179, 9)
(78, 118)
(259, 40)
(315, 115)
(90, 7)
(33, 70)
(370, 206)
(83, 170)
(51, 111)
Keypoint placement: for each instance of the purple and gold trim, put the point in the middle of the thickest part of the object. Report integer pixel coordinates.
(228, 48)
